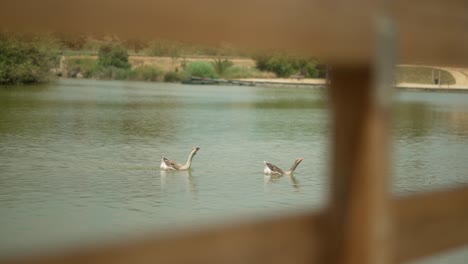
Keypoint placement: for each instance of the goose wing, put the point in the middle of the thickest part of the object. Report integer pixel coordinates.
(273, 168)
(172, 163)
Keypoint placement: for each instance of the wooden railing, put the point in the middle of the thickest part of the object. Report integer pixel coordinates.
(363, 223)
(424, 224)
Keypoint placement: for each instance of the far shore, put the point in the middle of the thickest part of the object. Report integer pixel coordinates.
(268, 79)
(306, 82)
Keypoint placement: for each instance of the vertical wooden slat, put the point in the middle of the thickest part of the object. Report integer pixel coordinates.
(359, 210)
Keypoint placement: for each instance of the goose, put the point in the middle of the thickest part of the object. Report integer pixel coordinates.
(172, 165)
(273, 170)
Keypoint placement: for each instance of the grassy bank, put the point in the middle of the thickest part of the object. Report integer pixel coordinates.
(165, 60)
(161, 69)
(31, 59)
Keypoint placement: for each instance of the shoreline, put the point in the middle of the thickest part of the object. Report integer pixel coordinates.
(321, 83)
(304, 83)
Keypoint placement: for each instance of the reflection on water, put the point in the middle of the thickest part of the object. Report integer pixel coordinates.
(172, 181)
(79, 160)
(430, 138)
(269, 179)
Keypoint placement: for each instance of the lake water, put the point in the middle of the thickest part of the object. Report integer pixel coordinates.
(79, 159)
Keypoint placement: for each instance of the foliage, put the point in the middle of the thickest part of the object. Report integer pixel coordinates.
(86, 66)
(26, 61)
(172, 76)
(236, 72)
(284, 65)
(113, 55)
(221, 66)
(201, 69)
(145, 73)
(89, 68)
(111, 73)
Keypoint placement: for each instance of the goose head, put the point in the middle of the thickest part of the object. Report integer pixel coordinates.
(195, 150)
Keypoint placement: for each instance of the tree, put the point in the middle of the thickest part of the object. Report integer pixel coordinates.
(284, 65)
(26, 61)
(113, 55)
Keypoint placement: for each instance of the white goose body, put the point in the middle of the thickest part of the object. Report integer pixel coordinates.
(266, 170)
(273, 170)
(172, 165)
(164, 165)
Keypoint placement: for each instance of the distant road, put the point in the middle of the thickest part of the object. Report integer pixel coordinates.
(459, 74)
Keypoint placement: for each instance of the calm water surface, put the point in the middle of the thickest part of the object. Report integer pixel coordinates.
(79, 160)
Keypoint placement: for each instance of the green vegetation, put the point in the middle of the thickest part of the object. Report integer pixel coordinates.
(202, 69)
(172, 76)
(85, 66)
(26, 61)
(422, 75)
(112, 63)
(90, 68)
(23, 60)
(221, 66)
(145, 73)
(284, 65)
(113, 55)
(238, 72)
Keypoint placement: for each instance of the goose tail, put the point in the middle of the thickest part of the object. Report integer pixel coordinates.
(294, 166)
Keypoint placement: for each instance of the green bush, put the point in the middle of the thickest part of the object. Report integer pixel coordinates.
(145, 73)
(221, 66)
(113, 55)
(111, 73)
(26, 61)
(86, 66)
(237, 72)
(281, 66)
(202, 69)
(285, 65)
(172, 76)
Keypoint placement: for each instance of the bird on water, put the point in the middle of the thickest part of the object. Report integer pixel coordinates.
(273, 170)
(172, 165)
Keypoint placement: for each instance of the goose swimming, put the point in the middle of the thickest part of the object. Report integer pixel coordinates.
(172, 165)
(273, 170)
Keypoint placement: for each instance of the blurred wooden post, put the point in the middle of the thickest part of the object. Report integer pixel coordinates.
(360, 202)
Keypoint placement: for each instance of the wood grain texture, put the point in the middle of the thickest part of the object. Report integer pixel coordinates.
(430, 223)
(293, 239)
(429, 32)
(425, 224)
(360, 194)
